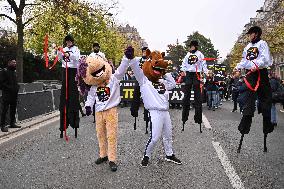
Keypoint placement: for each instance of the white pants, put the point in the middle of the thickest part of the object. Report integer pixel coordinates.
(161, 125)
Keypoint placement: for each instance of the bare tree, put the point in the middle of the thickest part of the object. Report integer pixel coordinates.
(20, 23)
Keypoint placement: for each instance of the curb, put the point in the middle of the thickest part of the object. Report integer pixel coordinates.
(32, 122)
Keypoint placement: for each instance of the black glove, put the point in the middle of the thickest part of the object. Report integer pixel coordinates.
(129, 52)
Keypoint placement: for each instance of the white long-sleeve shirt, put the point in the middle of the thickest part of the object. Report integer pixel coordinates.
(72, 60)
(155, 95)
(100, 54)
(260, 54)
(109, 96)
(191, 60)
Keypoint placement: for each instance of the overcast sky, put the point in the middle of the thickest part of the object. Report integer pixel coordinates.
(162, 22)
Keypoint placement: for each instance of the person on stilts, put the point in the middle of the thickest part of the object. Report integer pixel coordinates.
(69, 97)
(256, 59)
(193, 65)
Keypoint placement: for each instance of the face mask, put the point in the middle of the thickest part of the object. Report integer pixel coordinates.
(144, 57)
(96, 50)
(13, 68)
(255, 40)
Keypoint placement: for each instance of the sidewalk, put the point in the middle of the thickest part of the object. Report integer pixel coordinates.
(28, 123)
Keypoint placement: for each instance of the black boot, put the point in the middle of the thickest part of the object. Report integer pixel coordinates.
(4, 129)
(14, 126)
(113, 166)
(101, 160)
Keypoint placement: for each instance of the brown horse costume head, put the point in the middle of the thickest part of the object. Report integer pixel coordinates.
(98, 71)
(155, 66)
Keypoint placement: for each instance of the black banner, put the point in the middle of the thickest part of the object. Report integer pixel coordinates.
(127, 90)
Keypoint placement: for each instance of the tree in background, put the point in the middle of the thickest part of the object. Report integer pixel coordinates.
(176, 53)
(205, 45)
(24, 16)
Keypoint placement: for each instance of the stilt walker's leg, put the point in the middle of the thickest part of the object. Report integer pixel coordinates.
(183, 126)
(200, 128)
(147, 125)
(76, 132)
(61, 134)
(240, 145)
(265, 148)
(135, 123)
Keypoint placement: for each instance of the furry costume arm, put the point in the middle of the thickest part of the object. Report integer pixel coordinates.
(138, 72)
(122, 68)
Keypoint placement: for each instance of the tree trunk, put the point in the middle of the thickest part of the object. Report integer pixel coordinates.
(20, 49)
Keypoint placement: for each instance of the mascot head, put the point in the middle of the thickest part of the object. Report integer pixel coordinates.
(98, 71)
(155, 66)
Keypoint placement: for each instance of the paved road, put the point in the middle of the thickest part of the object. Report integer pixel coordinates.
(40, 159)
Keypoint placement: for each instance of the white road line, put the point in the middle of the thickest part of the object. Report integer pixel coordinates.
(206, 122)
(229, 169)
(27, 130)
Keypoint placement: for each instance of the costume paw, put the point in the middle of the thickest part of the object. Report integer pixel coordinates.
(129, 52)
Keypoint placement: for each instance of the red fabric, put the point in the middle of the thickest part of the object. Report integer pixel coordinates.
(257, 82)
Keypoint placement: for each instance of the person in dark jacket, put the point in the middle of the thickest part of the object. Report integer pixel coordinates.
(275, 86)
(242, 93)
(235, 92)
(10, 88)
(211, 88)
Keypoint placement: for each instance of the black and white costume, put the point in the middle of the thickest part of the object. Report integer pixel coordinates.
(155, 98)
(193, 64)
(72, 103)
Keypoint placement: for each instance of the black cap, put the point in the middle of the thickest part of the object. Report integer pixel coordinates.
(144, 48)
(96, 45)
(255, 29)
(193, 43)
(69, 38)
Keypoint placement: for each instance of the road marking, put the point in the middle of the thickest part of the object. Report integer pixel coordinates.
(206, 122)
(229, 169)
(27, 130)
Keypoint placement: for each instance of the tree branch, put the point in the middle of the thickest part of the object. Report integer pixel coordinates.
(4, 15)
(13, 5)
(30, 19)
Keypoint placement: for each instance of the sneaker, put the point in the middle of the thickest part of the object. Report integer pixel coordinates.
(101, 160)
(282, 111)
(113, 166)
(4, 129)
(145, 161)
(173, 159)
(15, 126)
(234, 110)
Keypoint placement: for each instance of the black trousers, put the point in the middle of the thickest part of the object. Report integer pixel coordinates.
(6, 104)
(191, 80)
(264, 96)
(72, 103)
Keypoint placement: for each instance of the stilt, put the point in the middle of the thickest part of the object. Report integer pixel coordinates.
(76, 132)
(61, 134)
(265, 148)
(134, 123)
(147, 125)
(183, 126)
(240, 145)
(200, 128)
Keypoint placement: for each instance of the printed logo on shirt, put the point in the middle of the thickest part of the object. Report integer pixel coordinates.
(252, 53)
(141, 62)
(160, 87)
(103, 93)
(67, 59)
(192, 59)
